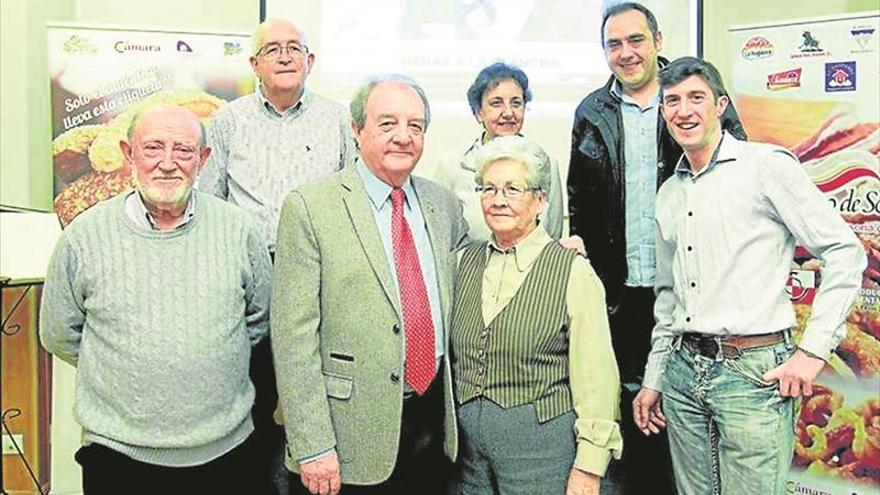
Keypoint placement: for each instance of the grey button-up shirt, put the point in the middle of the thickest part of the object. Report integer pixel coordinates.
(725, 241)
(259, 154)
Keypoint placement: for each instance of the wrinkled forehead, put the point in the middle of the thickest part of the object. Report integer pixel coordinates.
(393, 97)
(169, 125)
(505, 170)
(281, 32)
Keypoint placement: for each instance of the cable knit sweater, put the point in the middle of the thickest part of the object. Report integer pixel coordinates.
(160, 325)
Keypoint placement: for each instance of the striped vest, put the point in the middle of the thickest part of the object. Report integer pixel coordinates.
(521, 356)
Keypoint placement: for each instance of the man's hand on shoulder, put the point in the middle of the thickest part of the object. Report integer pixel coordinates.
(574, 242)
(321, 476)
(796, 375)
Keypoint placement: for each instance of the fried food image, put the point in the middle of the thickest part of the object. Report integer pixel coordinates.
(859, 352)
(860, 348)
(88, 160)
(871, 243)
(837, 440)
(89, 190)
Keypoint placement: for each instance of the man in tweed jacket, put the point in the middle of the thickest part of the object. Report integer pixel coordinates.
(337, 325)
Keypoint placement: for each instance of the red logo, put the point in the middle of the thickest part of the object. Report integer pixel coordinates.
(757, 47)
(784, 80)
(801, 286)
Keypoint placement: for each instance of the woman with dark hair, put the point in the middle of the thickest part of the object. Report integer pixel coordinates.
(498, 98)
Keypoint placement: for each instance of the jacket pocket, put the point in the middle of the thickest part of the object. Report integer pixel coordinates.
(338, 386)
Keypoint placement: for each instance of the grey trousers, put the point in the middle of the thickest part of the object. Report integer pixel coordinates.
(507, 452)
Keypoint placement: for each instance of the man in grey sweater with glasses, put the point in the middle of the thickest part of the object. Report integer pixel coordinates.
(157, 296)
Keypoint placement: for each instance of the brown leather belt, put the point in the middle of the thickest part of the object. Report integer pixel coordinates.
(731, 347)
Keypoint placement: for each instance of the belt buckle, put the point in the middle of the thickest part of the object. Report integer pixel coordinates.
(730, 351)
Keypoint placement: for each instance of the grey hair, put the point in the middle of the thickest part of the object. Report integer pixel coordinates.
(519, 149)
(358, 106)
(260, 34)
(132, 127)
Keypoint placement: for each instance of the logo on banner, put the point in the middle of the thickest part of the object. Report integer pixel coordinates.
(801, 286)
(78, 44)
(126, 46)
(756, 48)
(862, 35)
(797, 487)
(182, 46)
(840, 76)
(784, 80)
(809, 47)
(231, 48)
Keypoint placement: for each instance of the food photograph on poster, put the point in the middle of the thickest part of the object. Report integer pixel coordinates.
(813, 87)
(101, 78)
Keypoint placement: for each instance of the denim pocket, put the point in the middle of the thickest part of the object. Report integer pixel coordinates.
(754, 363)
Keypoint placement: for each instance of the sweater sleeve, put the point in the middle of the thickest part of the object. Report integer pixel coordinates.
(259, 287)
(62, 311)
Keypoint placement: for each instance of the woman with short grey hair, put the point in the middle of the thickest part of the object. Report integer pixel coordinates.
(535, 375)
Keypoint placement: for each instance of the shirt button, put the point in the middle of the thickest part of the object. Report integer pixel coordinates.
(395, 328)
(688, 319)
(693, 284)
(394, 377)
(659, 164)
(690, 213)
(690, 248)
(480, 370)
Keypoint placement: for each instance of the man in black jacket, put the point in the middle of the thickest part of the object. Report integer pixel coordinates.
(621, 153)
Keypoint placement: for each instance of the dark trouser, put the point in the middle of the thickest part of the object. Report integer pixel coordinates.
(107, 472)
(268, 437)
(421, 467)
(646, 466)
(510, 452)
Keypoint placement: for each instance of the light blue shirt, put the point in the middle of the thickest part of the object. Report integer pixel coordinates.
(380, 198)
(640, 171)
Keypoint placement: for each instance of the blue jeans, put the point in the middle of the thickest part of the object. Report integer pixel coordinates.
(729, 431)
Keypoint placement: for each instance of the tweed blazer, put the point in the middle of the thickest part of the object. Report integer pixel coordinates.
(336, 320)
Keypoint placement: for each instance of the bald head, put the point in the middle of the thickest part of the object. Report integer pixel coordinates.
(161, 113)
(276, 24)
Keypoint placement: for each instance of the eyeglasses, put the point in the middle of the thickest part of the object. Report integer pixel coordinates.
(180, 152)
(272, 51)
(509, 191)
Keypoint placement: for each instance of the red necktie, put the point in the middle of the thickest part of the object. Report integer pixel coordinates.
(417, 323)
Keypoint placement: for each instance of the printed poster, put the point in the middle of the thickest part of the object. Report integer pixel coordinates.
(813, 86)
(101, 78)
